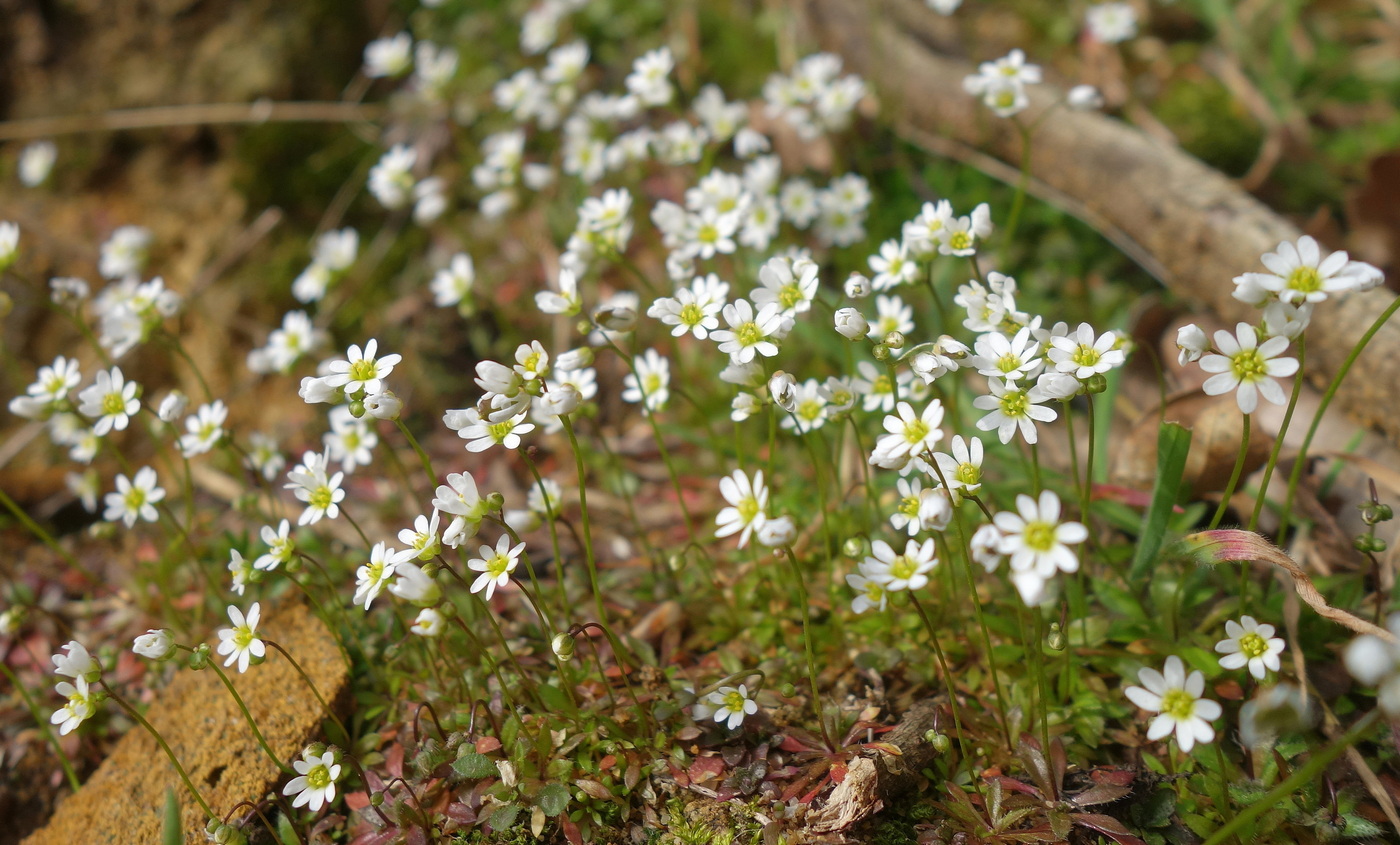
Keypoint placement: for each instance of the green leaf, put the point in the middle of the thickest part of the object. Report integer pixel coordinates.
(474, 766)
(553, 799)
(170, 827)
(504, 816)
(554, 698)
(287, 831)
(1173, 445)
(1156, 809)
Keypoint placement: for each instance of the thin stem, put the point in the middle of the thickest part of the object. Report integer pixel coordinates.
(1301, 460)
(417, 448)
(314, 691)
(164, 746)
(1019, 200)
(1278, 440)
(947, 678)
(238, 699)
(588, 537)
(550, 517)
(807, 644)
(43, 728)
(44, 537)
(1234, 475)
(1298, 780)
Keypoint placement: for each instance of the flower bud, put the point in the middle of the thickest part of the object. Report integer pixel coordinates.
(315, 391)
(495, 500)
(1055, 639)
(357, 408)
(851, 325)
(881, 352)
(563, 646)
(857, 286)
(788, 690)
(1096, 383)
(777, 532)
(1084, 98)
(560, 400)
(575, 359)
(1369, 544)
(894, 340)
(384, 405)
(783, 388)
(1192, 342)
(414, 585)
(155, 645)
(941, 743)
(853, 547)
(173, 406)
(1373, 513)
(615, 318)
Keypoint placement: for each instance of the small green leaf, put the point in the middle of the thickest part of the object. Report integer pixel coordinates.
(1156, 809)
(1173, 445)
(170, 828)
(553, 799)
(474, 766)
(504, 816)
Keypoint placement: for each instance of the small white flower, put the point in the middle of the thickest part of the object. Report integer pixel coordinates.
(1248, 367)
(82, 704)
(1251, 643)
(204, 429)
(731, 705)
(124, 253)
(281, 547)
(372, 577)
(650, 381)
(428, 623)
(748, 504)
(1013, 408)
(1036, 540)
(909, 434)
(36, 162)
(748, 334)
(388, 57)
(1300, 273)
(414, 585)
(454, 283)
(962, 469)
(870, 592)
(460, 499)
(241, 643)
(1084, 98)
(1083, 355)
(314, 785)
(362, 372)
(907, 571)
(110, 399)
(791, 285)
(777, 532)
(77, 663)
(1176, 697)
(850, 324)
(311, 483)
(134, 498)
(154, 644)
(495, 566)
(241, 571)
(1192, 342)
(1111, 22)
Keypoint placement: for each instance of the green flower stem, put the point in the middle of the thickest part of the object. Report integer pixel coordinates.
(1234, 474)
(965, 553)
(418, 449)
(1301, 776)
(1019, 200)
(1042, 679)
(164, 746)
(326, 617)
(494, 667)
(173, 341)
(1223, 782)
(43, 727)
(45, 537)
(353, 524)
(872, 493)
(359, 770)
(1086, 493)
(530, 570)
(75, 314)
(1278, 440)
(314, 691)
(525, 679)
(643, 714)
(807, 644)
(588, 558)
(550, 517)
(238, 699)
(947, 681)
(1036, 484)
(1301, 460)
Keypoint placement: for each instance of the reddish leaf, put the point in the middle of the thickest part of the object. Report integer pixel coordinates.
(608, 762)
(460, 813)
(1108, 826)
(838, 772)
(393, 760)
(487, 744)
(678, 774)
(885, 747)
(356, 800)
(791, 744)
(571, 831)
(706, 768)
(1113, 776)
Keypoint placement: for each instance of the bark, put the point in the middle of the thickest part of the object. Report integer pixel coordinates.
(1187, 224)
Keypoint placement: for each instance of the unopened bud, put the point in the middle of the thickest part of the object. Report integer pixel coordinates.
(357, 408)
(881, 352)
(788, 690)
(1369, 544)
(941, 743)
(857, 286)
(1373, 513)
(563, 646)
(1055, 640)
(1097, 383)
(853, 547)
(895, 340)
(495, 501)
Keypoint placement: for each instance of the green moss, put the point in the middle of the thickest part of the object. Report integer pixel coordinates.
(1210, 124)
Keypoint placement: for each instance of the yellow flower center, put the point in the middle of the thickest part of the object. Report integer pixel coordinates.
(1253, 645)
(1014, 403)
(1179, 704)
(1305, 279)
(1039, 536)
(1248, 365)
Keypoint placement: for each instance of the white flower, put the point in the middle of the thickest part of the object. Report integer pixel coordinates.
(453, 283)
(649, 383)
(777, 532)
(1084, 98)
(1036, 540)
(1248, 367)
(649, 77)
(791, 285)
(749, 334)
(311, 482)
(495, 566)
(414, 585)
(1111, 22)
(362, 372)
(1083, 355)
(281, 547)
(694, 309)
(907, 571)
(935, 509)
(1300, 273)
(124, 253)
(810, 406)
(856, 286)
(909, 434)
(391, 179)
(1376, 662)
(82, 703)
(985, 547)
(893, 266)
(850, 324)
(372, 577)
(335, 250)
(241, 571)
(963, 468)
(154, 644)
(384, 405)
(748, 504)
(963, 233)
(1251, 643)
(9, 243)
(731, 705)
(1192, 342)
(428, 623)
(314, 785)
(391, 56)
(204, 429)
(1008, 358)
(134, 499)
(906, 508)
(871, 593)
(1013, 408)
(77, 663)
(240, 643)
(1176, 698)
(36, 162)
(111, 400)
(460, 499)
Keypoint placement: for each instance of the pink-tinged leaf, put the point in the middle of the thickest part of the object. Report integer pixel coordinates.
(705, 768)
(678, 774)
(594, 789)
(460, 813)
(393, 760)
(571, 831)
(1112, 776)
(1128, 496)
(1101, 793)
(415, 836)
(1108, 826)
(886, 747)
(356, 800)
(487, 744)
(1017, 786)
